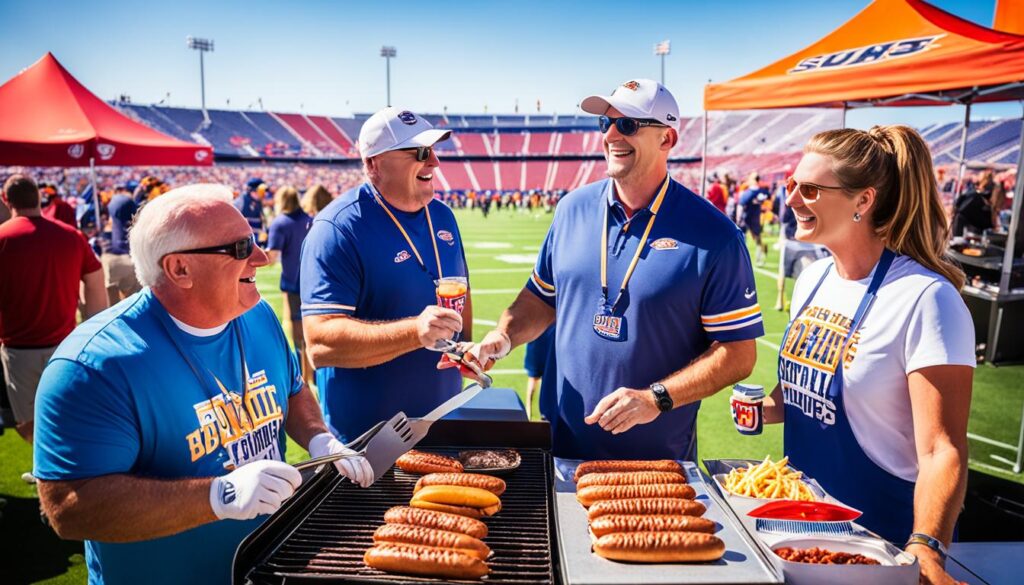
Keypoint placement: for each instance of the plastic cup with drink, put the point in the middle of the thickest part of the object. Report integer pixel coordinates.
(747, 406)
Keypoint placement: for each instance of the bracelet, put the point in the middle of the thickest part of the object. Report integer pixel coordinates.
(929, 541)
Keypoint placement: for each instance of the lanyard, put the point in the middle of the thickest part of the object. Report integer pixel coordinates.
(639, 249)
(221, 391)
(405, 235)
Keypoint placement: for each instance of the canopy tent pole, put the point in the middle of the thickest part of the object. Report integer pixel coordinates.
(704, 159)
(845, 107)
(95, 195)
(963, 150)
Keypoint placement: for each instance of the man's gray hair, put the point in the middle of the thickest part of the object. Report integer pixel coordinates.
(167, 224)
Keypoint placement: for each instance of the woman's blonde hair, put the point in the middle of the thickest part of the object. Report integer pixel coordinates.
(908, 215)
(316, 198)
(286, 200)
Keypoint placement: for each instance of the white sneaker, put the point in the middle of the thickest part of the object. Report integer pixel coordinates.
(27, 477)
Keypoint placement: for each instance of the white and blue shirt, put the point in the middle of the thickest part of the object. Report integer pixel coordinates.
(117, 397)
(355, 262)
(692, 285)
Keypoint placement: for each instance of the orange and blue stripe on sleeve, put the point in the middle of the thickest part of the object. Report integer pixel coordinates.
(732, 320)
(545, 289)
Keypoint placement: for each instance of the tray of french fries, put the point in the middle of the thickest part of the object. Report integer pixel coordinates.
(747, 483)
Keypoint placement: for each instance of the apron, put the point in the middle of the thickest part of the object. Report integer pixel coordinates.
(831, 454)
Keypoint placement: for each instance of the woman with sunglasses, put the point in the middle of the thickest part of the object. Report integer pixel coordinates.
(875, 368)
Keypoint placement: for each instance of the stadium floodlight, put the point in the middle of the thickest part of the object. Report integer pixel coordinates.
(661, 50)
(388, 52)
(201, 45)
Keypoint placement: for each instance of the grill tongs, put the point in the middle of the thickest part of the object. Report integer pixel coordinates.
(386, 441)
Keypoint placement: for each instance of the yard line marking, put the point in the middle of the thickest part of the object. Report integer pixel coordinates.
(495, 291)
(766, 272)
(767, 343)
(993, 467)
(501, 270)
(991, 441)
(506, 372)
(487, 322)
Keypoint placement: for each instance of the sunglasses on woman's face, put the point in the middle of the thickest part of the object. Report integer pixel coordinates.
(422, 152)
(809, 191)
(239, 250)
(626, 126)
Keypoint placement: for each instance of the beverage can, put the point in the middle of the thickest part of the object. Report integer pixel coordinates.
(747, 406)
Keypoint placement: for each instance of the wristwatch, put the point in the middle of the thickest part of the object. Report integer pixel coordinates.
(661, 397)
(929, 541)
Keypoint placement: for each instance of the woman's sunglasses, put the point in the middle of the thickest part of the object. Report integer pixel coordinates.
(422, 152)
(626, 126)
(239, 250)
(809, 191)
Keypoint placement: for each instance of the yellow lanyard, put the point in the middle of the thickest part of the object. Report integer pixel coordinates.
(430, 225)
(639, 249)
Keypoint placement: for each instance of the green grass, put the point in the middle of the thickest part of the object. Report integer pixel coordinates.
(30, 553)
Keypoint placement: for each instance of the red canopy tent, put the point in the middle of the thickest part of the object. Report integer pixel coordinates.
(50, 119)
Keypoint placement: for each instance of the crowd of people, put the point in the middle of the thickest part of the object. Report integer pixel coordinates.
(531, 201)
(159, 424)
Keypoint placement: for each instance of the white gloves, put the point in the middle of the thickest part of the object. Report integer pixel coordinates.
(257, 488)
(355, 468)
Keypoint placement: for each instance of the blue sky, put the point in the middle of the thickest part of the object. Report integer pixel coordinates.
(322, 57)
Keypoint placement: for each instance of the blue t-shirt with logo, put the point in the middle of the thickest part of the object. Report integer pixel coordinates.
(287, 232)
(692, 285)
(122, 210)
(355, 262)
(118, 398)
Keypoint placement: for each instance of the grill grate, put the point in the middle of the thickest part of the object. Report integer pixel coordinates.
(329, 543)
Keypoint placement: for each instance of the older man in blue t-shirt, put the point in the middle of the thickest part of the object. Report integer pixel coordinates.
(369, 270)
(160, 423)
(652, 291)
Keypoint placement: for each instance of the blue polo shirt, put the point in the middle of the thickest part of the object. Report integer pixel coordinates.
(355, 262)
(118, 397)
(692, 285)
(251, 210)
(122, 210)
(287, 232)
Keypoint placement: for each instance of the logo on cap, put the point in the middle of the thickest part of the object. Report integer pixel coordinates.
(407, 117)
(631, 85)
(670, 117)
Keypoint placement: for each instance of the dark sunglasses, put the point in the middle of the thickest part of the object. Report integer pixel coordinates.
(626, 126)
(239, 250)
(422, 152)
(809, 191)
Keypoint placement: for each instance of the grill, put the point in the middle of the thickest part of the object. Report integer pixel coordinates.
(322, 532)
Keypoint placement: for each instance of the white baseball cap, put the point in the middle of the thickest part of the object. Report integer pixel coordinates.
(637, 98)
(392, 129)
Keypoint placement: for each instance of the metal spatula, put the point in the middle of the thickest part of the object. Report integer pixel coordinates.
(390, 443)
(358, 444)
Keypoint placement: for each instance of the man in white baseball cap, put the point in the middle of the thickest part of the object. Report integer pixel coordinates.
(677, 312)
(368, 282)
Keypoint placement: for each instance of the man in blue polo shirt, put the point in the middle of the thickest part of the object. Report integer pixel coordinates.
(369, 266)
(652, 290)
(250, 205)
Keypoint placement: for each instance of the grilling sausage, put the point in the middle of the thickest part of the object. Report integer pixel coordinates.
(495, 485)
(660, 547)
(646, 506)
(423, 463)
(650, 523)
(466, 511)
(439, 520)
(612, 465)
(595, 493)
(629, 478)
(420, 535)
(425, 561)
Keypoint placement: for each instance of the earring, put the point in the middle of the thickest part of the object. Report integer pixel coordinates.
(856, 216)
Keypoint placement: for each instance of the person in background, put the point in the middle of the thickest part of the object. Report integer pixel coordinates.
(250, 205)
(44, 264)
(716, 194)
(162, 422)
(998, 204)
(876, 366)
(287, 232)
(54, 207)
(316, 199)
(118, 270)
(538, 352)
(751, 198)
(972, 210)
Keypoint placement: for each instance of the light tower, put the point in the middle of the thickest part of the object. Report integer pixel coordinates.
(661, 50)
(201, 45)
(388, 52)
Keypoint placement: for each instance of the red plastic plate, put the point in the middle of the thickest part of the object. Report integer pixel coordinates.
(805, 511)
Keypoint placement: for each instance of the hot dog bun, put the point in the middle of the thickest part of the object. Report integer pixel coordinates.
(611, 465)
(596, 493)
(422, 536)
(425, 561)
(646, 506)
(495, 485)
(660, 547)
(613, 523)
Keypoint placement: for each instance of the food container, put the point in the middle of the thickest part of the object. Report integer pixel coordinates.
(896, 567)
(719, 468)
